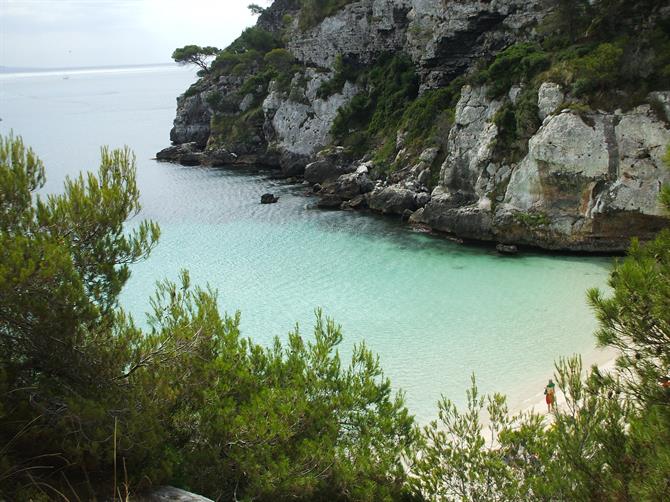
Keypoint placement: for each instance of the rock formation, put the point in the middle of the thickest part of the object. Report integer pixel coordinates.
(584, 179)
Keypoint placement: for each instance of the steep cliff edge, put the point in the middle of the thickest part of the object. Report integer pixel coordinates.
(503, 121)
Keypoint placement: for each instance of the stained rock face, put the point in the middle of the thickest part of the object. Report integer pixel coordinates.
(588, 182)
(549, 98)
(300, 121)
(192, 121)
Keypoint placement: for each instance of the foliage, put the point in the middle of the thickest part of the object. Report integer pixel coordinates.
(84, 393)
(194, 54)
(390, 85)
(255, 9)
(516, 122)
(280, 60)
(66, 347)
(518, 63)
(346, 69)
(589, 73)
(532, 219)
(458, 463)
(246, 53)
(603, 48)
(256, 58)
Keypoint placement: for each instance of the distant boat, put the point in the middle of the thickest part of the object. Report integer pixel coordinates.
(66, 77)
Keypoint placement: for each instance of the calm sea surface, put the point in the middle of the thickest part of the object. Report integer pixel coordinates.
(433, 310)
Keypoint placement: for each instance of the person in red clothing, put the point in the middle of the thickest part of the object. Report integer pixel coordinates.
(550, 396)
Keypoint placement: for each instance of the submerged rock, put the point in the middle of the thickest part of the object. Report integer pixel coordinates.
(268, 198)
(507, 249)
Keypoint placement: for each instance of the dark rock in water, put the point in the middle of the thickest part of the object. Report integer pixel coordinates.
(358, 202)
(316, 188)
(507, 249)
(187, 154)
(406, 214)
(329, 201)
(173, 153)
(268, 198)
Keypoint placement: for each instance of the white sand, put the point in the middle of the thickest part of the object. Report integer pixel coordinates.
(604, 359)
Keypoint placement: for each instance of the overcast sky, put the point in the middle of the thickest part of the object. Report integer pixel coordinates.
(66, 33)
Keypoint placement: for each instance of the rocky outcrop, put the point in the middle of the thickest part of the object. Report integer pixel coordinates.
(443, 38)
(549, 97)
(191, 125)
(589, 181)
(299, 121)
(330, 164)
(582, 180)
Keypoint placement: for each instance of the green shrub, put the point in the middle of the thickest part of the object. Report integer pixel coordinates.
(518, 63)
(280, 60)
(85, 394)
(516, 124)
(390, 86)
(346, 69)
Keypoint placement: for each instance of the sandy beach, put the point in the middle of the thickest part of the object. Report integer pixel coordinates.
(604, 359)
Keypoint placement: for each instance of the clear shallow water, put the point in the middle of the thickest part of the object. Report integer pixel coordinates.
(433, 310)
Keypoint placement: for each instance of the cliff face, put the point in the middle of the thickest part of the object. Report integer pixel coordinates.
(588, 182)
(579, 178)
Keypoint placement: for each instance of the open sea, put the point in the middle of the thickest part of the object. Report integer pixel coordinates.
(433, 310)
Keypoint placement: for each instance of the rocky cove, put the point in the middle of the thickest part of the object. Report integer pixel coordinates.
(509, 156)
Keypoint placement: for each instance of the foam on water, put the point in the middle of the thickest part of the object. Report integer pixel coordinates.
(433, 310)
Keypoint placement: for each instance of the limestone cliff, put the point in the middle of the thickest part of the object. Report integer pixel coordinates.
(564, 175)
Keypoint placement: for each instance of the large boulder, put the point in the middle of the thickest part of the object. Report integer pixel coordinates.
(330, 164)
(350, 185)
(392, 200)
(187, 154)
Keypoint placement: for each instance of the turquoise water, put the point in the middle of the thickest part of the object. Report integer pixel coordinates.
(433, 310)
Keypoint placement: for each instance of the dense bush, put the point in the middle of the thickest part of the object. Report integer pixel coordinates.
(389, 87)
(518, 63)
(90, 403)
(516, 122)
(346, 69)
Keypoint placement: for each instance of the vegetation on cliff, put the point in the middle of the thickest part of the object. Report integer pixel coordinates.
(609, 56)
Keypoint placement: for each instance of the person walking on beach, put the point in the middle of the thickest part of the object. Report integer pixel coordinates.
(550, 396)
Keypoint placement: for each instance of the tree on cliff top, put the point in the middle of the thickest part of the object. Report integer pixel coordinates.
(194, 54)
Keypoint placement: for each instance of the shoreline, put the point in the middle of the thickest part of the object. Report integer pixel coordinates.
(604, 359)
